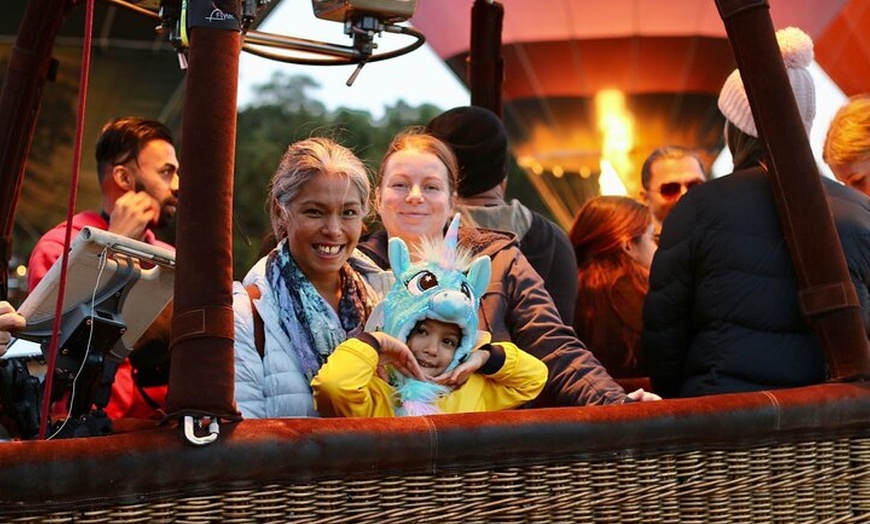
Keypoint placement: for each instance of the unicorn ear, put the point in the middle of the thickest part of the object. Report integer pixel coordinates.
(448, 247)
(400, 259)
(479, 274)
(452, 235)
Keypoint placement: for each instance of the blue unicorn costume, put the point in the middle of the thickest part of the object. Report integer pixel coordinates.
(445, 285)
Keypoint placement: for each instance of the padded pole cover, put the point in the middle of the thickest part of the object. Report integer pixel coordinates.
(485, 64)
(202, 374)
(827, 296)
(29, 67)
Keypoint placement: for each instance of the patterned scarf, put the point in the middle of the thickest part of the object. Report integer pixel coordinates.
(307, 319)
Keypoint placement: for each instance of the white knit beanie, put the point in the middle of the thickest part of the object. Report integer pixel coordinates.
(797, 53)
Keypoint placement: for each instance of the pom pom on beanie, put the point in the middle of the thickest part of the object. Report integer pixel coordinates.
(797, 54)
(479, 141)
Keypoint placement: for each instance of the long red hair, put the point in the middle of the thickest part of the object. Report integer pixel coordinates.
(611, 286)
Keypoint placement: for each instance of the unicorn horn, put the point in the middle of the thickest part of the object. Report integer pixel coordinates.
(451, 240)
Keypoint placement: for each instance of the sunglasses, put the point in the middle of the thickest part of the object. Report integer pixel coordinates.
(673, 189)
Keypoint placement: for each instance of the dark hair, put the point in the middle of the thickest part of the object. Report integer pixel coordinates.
(746, 150)
(121, 140)
(610, 284)
(669, 152)
(417, 138)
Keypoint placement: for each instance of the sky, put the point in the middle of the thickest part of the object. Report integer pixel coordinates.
(421, 77)
(418, 77)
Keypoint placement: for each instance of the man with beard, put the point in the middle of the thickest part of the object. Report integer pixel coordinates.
(138, 173)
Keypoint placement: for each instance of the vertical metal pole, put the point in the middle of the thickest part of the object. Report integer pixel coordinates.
(485, 64)
(30, 66)
(827, 296)
(202, 375)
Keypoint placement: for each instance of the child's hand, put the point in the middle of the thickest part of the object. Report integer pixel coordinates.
(396, 354)
(459, 375)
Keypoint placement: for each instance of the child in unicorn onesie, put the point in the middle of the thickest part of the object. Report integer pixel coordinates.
(421, 353)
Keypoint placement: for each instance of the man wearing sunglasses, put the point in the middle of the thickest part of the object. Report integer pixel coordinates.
(667, 174)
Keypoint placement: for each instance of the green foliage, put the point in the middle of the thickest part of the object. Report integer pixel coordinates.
(284, 111)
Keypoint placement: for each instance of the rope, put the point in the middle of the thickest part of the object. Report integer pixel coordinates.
(74, 182)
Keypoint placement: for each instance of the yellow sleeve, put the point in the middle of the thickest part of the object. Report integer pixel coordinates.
(346, 385)
(520, 379)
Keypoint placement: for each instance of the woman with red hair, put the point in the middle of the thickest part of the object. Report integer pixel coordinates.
(614, 245)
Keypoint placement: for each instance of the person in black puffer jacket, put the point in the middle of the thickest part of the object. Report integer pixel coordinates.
(722, 313)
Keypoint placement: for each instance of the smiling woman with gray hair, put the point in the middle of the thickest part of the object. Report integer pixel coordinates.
(302, 299)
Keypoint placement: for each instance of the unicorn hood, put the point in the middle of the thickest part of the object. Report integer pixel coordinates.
(445, 285)
(442, 286)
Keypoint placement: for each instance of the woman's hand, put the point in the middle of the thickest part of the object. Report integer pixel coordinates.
(640, 395)
(459, 375)
(10, 320)
(396, 354)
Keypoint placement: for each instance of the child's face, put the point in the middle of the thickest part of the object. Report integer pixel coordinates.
(433, 344)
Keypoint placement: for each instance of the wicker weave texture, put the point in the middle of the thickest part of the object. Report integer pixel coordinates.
(819, 482)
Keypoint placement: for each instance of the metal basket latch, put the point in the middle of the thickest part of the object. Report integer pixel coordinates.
(191, 424)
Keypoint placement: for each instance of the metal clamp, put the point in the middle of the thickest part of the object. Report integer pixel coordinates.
(190, 432)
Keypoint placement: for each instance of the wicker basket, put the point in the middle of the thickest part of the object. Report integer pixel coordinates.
(789, 456)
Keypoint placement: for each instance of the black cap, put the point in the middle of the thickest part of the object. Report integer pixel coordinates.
(479, 141)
